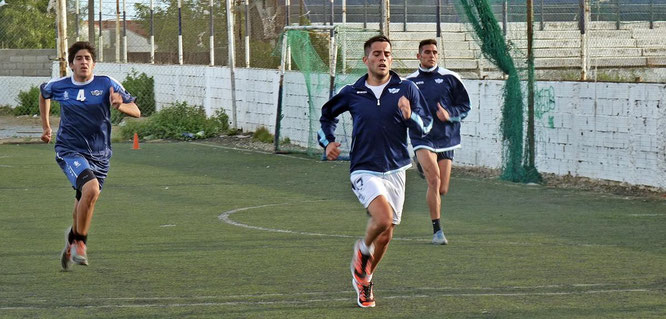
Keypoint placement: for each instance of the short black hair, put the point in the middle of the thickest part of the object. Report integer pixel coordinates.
(377, 38)
(78, 46)
(426, 42)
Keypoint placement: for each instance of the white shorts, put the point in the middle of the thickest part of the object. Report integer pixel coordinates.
(368, 186)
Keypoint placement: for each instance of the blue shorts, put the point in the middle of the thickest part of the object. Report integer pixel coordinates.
(72, 164)
(445, 155)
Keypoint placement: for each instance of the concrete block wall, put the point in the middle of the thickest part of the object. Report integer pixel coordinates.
(32, 62)
(604, 130)
(612, 131)
(256, 89)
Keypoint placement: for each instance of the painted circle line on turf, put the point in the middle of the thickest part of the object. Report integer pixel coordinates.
(225, 217)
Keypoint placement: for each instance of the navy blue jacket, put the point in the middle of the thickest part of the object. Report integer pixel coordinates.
(443, 86)
(379, 135)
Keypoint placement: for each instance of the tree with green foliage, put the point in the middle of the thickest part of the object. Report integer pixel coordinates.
(27, 24)
(195, 33)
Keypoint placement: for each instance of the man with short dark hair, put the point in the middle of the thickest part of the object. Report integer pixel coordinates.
(383, 107)
(83, 142)
(448, 100)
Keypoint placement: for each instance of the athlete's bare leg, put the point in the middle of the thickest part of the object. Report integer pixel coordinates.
(431, 170)
(85, 207)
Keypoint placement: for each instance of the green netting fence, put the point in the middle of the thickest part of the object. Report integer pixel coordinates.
(309, 52)
(517, 156)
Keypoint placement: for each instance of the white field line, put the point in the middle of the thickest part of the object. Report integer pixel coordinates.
(646, 215)
(225, 217)
(306, 301)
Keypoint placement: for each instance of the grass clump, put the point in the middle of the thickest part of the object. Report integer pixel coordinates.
(177, 121)
(28, 103)
(263, 135)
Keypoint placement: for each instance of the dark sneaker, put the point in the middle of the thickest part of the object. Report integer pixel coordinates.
(360, 265)
(365, 296)
(66, 255)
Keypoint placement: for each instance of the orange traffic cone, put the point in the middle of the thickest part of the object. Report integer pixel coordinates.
(136, 142)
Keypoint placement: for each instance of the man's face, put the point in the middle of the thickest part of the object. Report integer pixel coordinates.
(428, 56)
(83, 65)
(379, 59)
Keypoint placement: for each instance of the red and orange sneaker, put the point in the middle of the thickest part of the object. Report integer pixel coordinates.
(66, 255)
(365, 295)
(360, 265)
(78, 250)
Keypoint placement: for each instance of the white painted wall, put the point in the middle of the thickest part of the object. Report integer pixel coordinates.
(613, 131)
(13, 85)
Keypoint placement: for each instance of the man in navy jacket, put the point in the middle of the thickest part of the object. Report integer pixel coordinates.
(383, 107)
(448, 100)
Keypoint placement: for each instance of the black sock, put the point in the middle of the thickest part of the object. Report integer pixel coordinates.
(70, 237)
(435, 225)
(79, 237)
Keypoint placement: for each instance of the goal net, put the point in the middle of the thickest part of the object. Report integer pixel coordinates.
(317, 61)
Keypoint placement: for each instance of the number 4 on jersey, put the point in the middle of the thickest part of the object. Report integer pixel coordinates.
(81, 96)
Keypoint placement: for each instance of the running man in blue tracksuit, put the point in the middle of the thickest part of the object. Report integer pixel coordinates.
(382, 107)
(83, 143)
(448, 100)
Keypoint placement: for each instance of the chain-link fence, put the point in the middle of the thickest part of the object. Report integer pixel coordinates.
(195, 32)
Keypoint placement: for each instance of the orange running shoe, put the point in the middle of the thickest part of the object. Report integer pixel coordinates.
(79, 253)
(66, 255)
(360, 265)
(365, 296)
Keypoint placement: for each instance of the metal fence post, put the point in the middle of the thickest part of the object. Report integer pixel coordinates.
(541, 16)
(505, 16)
(404, 16)
(617, 14)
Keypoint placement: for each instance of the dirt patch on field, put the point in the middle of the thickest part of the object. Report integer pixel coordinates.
(574, 182)
(23, 129)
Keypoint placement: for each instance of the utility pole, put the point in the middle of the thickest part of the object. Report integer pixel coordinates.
(91, 22)
(62, 36)
(530, 84)
(385, 22)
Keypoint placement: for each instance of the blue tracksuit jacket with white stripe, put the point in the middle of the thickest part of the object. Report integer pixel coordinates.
(443, 86)
(379, 135)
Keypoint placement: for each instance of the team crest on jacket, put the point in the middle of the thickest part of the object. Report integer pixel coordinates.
(65, 96)
(96, 92)
(439, 81)
(394, 90)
